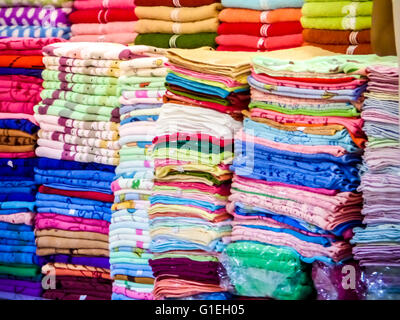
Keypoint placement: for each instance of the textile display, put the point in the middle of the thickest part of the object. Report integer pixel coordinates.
(190, 25)
(338, 26)
(141, 101)
(377, 246)
(259, 26)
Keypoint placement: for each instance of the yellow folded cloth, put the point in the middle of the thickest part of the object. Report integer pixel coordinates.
(160, 26)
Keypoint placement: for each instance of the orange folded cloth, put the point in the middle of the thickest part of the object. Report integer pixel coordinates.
(271, 16)
(364, 48)
(29, 62)
(337, 36)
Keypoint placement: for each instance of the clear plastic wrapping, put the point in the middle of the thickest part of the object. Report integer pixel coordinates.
(338, 281)
(258, 270)
(383, 283)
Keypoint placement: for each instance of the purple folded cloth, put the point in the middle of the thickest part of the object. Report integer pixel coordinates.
(98, 262)
(338, 282)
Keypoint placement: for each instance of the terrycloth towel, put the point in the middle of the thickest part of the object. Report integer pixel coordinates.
(337, 23)
(363, 48)
(103, 28)
(159, 26)
(34, 32)
(262, 4)
(337, 9)
(100, 4)
(260, 43)
(36, 3)
(336, 36)
(254, 16)
(123, 38)
(174, 3)
(262, 30)
(179, 14)
(102, 16)
(28, 16)
(182, 41)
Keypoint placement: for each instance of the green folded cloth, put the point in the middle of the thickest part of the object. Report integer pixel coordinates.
(220, 101)
(184, 41)
(51, 75)
(20, 270)
(337, 9)
(84, 88)
(337, 23)
(353, 112)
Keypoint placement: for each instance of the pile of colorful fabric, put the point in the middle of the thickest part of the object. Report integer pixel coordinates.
(78, 146)
(296, 166)
(21, 84)
(104, 21)
(256, 25)
(192, 152)
(142, 87)
(338, 26)
(185, 24)
(35, 18)
(378, 245)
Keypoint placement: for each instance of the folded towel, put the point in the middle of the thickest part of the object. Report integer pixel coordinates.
(337, 9)
(256, 16)
(102, 16)
(183, 41)
(159, 26)
(337, 23)
(262, 4)
(363, 48)
(337, 36)
(103, 28)
(262, 30)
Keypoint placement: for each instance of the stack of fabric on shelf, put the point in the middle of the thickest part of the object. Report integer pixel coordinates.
(338, 26)
(78, 146)
(20, 78)
(296, 169)
(142, 86)
(192, 152)
(185, 24)
(35, 18)
(21, 84)
(104, 21)
(259, 25)
(378, 245)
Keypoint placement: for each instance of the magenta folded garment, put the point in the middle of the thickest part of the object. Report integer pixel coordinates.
(103, 28)
(62, 222)
(17, 107)
(104, 4)
(123, 38)
(260, 43)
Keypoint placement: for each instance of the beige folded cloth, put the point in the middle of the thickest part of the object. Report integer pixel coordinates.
(72, 234)
(66, 243)
(160, 26)
(179, 14)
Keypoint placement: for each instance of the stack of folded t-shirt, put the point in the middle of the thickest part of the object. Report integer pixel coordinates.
(142, 86)
(378, 245)
(104, 21)
(35, 18)
(185, 24)
(21, 84)
(192, 152)
(338, 26)
(260, 25)
(79, 149)
(297, 159)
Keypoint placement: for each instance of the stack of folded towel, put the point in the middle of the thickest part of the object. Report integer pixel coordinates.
(78, 143)
(104, 21)
(142, 87)
(338, 26)
(297, 159)
(257, 25)
(185, 24)
(192, 152)
(378, 245)
(35, 18)
(21, 84)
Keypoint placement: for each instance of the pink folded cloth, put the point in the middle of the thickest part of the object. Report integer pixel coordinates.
(18, 107)
(353, 84)
(104, 4)
(61, 222)
(133, 294)
(18, 218)
(337, 251)
(12, 52)
(123, 38)
(261, 43)
(103, 28)
(24, 116)
(17, 155)
(15, 43)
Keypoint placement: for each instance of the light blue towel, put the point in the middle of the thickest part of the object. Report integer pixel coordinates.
(262, 4)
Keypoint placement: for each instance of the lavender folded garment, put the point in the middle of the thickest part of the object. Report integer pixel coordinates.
(29, 16)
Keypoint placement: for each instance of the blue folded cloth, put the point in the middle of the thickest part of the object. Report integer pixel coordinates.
(21, 71)
(19, 124)
(53, 164)
(87, 214)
